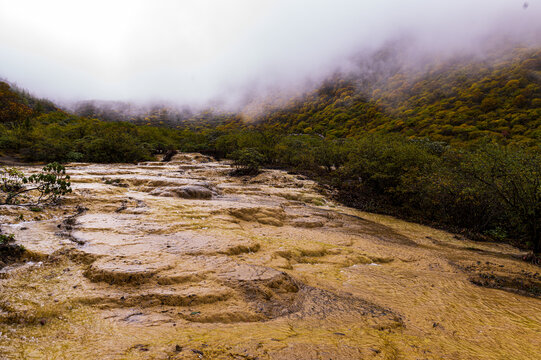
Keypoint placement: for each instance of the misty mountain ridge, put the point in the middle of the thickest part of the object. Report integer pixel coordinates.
(454, 101)
(458, 99)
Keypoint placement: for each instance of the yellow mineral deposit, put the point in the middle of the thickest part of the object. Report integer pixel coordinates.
(179, 260)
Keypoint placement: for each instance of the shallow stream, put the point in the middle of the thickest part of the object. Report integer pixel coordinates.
(179, 260)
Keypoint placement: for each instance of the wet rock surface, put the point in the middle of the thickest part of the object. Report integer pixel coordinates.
(178, 260)
(186, 192)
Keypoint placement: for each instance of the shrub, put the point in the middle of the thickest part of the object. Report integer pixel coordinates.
(6, 238)
(248, 161)
(11, 180)
(51, 183)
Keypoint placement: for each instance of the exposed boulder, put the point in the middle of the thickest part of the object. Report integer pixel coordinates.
(169, 155)
(185, 192)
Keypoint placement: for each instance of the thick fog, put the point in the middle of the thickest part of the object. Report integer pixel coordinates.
(194, 51)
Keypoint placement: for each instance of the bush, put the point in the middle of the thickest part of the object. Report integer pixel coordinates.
(6, 239)
(248, 162)
(50, 184)
(381, 164)
(11, 180)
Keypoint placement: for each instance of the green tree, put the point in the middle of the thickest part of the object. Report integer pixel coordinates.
(49, 184)
(248, 161)
(512, 176)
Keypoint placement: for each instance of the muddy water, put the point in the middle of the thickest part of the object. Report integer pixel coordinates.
(179, 260)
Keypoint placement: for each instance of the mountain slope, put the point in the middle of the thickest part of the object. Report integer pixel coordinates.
(459, 101)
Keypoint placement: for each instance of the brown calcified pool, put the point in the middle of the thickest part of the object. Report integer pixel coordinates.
(179, 260)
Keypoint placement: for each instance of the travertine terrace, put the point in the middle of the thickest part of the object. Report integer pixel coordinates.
(179, 260)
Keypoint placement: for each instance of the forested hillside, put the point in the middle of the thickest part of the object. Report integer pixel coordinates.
(37, 130)
(459, 101)
(17, 106)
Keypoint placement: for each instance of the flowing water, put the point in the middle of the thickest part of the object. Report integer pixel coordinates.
(179, 260)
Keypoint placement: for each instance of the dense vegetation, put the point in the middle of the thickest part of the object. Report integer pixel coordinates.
(455, 145)
(460, 102)
(50, 134)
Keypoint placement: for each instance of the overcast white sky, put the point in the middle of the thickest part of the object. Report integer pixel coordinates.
(195, 50)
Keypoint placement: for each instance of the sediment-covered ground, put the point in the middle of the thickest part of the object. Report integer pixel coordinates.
(179, 260)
